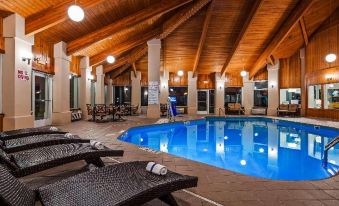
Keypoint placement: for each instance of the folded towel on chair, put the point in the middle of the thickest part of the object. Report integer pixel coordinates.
(54, 129)
(69, 135)
(155, 168)
(96, 145)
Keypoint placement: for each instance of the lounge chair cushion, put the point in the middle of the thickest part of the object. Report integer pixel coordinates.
(13, 192)
(283, 107)
(119, 184)
(7, 160)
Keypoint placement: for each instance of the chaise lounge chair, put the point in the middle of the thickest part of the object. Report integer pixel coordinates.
(30, 131)
(35, 160)
(282, 109)
(10, 145)
(120, 184)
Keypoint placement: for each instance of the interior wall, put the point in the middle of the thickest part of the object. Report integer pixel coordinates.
(233, 80)
(290, 72)
(206, 81)
(123, 80)
(43, 56)
(2, 40)
(261, 75)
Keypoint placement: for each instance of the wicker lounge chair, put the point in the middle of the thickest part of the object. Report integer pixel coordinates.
(120, 184)
(235, 107)
(11, 145)
(30, 131)
(35, 160)
(282, 109)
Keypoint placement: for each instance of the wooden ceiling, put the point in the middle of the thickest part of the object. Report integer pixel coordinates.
(203, 36)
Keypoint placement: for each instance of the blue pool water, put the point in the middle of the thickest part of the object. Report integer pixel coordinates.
(260, 147)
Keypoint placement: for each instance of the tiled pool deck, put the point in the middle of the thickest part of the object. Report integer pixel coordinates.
(221, 186)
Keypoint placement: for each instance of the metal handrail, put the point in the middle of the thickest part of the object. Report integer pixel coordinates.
(221, 110)
(329, 145)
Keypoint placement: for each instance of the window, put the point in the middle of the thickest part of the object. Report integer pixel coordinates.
(232, 95)
(211, 101)
(331, 96)
(290, 96)
(74, 92)
(144, 96)
(314, 96)
(180, 93)
(260, 94)
(122, 95)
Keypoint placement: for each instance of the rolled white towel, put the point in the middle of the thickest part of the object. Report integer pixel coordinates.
(54, 129)
(96, 145)
(155, 168)
(69, 135)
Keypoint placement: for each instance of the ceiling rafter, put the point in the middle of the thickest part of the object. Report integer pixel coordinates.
(168, 27)
(298, 12)
(303, 29)
(202, 37)
(54, 15)
(134, 70)
(257, 5)
(135, 41)
(121, 70)
(131, 20)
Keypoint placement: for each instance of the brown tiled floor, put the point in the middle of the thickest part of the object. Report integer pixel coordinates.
(220, 185)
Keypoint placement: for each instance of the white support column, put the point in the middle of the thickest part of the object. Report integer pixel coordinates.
(247, 94)
(109, 99)
(164, 87)
(192, 94)
(136, 89)
(100, 85)
(61, 86)
(273, 88)
(85, 85)
(154, 46)
(16, 90)
(219, 92)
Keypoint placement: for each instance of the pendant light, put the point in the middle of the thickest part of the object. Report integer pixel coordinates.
(330, 57)
(243, 73)
(110, 59)
(76, 13)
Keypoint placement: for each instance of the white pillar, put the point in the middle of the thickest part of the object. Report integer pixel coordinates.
(136, 89)
(61, 85)
(85, 85)
(219, 92)
(153, 109)
(100, 85)
(192, 94)
(16, 91)
(273, 88)
(247, 94)
(164, 87)
(109, 99)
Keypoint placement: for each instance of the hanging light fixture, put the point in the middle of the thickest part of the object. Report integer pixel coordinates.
(76, 13)
(180, 73)
(110, 59)
(243, 73)
(330, 57)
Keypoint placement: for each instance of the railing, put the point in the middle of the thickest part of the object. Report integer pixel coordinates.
(331, 144)
(221, 111)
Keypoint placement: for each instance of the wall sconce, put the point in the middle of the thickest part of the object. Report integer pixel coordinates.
(164, 86)
(24, 59)
(273, 84)
(205, 81)
(329, 77)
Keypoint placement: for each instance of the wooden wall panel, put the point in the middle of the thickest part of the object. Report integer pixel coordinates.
(2, 40)
(43, 56)
(323, 113)
(176, 81)
(75, 65)
(290, 72)
(123, 80)
(206, 81)
(144, 79)
(261, 75)
(233, 80)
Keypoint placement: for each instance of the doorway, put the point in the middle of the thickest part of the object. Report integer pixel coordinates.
(41, 99)
(203, 101)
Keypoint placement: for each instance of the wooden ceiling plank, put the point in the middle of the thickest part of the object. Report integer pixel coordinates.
(54, 15)
(135, 41)
(131, 20)
(242, 34)
(202, 38)
(304, 31)
(168, 27)
(120, 70)
(298, 12)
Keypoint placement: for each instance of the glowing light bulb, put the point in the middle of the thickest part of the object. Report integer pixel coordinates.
(76, 13)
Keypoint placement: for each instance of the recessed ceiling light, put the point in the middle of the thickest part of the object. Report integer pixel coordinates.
(110, 59)
(76, 13)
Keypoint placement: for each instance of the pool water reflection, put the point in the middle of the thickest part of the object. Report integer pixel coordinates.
(260, 147)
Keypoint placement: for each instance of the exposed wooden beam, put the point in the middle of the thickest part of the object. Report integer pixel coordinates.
(54, 15)
(131, 20)
(169, 26)
(134, 70)
(202, 37)
(271, 59)
(121, 70)
(303, 29)
(257, 5)
(132, 42)
(298, 12)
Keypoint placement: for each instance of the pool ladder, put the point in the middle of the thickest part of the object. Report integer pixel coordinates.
(331, 144)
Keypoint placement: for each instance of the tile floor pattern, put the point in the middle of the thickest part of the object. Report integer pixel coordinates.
(222, 186)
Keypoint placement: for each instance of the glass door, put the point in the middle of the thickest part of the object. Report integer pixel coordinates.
(42, 99)
(203, 101)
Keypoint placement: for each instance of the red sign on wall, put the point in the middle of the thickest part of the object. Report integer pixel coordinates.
(23, 75)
